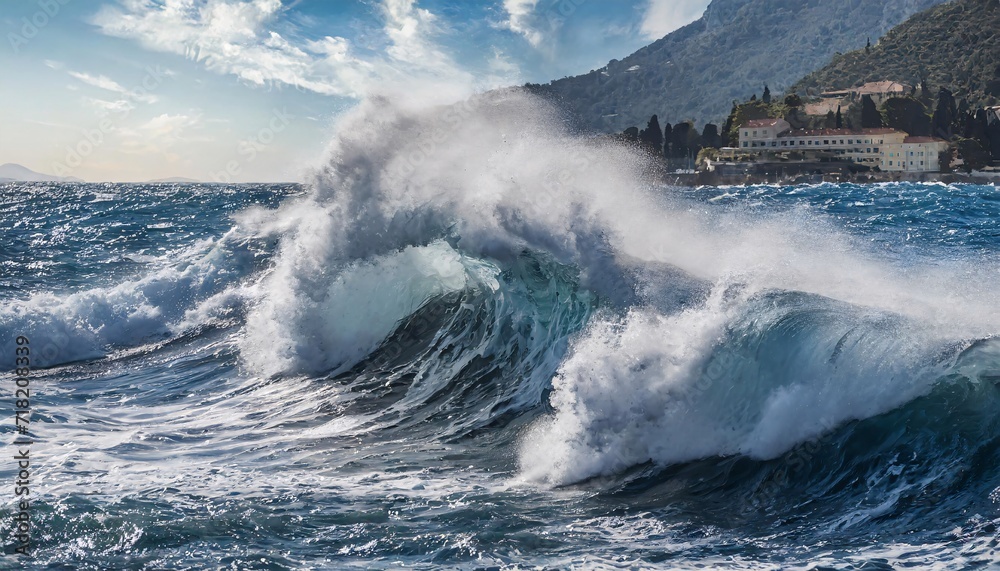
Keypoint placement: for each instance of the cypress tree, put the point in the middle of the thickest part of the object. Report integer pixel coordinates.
(667, 135)
(679, 140)
(870, 117)
(993, 136)
(766, 98)
(727, 127)
(710, 136)
(925, 93)
(945, 115)
(839, 119)
(652, 136)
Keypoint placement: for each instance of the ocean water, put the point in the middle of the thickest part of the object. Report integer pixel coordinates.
(473, 339)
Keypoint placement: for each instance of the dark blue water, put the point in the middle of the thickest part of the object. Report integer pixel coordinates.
(210, 392)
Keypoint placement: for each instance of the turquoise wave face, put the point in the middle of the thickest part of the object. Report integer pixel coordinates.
(761, 377)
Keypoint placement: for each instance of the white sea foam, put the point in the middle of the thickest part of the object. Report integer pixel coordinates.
(502, 173)
(342, 322)
(185, 290)
(409, 195)
(749, 376)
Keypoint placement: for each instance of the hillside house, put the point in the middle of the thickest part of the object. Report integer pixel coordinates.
(762, 133)
(879, 91)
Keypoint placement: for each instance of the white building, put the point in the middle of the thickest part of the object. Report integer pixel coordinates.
(914, 154)
(863, 147)
(887, 149)
(762, 133)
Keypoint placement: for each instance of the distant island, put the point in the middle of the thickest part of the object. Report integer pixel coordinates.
(11, 172)
(174, 179)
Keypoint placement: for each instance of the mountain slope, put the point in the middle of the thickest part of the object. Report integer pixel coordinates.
(11, 172)
(731, 52)
(955, 45)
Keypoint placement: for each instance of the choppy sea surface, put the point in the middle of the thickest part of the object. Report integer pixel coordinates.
(478, 361)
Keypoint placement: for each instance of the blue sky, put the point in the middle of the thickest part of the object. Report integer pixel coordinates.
(248, 90)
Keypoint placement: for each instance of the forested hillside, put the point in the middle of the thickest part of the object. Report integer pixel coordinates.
(732, 51)
(955, 45)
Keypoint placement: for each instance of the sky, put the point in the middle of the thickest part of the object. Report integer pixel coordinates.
(250, 90)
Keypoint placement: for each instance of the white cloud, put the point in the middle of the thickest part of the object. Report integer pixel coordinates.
(53, 64)
(101, 81)
(106, 83)
(162, 133)
(105, 107)
(237, 37)
(520, 20)
(665, 16)
(171, 128)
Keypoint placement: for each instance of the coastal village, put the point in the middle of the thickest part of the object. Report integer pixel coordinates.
(877, 131)
(824, 151)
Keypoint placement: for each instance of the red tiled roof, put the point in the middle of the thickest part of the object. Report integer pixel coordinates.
(923, 140)
(875, 87)
(761, 123)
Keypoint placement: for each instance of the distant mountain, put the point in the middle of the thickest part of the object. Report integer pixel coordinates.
(11, 172)
(178, 179)
(955, 45)
(735, 48)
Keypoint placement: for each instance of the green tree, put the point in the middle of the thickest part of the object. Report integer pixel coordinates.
(972, 154)
(680, 140)
(766, 98)
(945, 159)
(728, 127)
(925, 93)
(945, 115)
(753, 109)
(706, 154)
(993, 135)
(870, 117)
(907, 114)
(710, 137)
(668, 130)
(976, 126)
(652, 137)
(839, 119)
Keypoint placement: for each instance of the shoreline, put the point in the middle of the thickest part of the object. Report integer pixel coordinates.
(705, 178)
